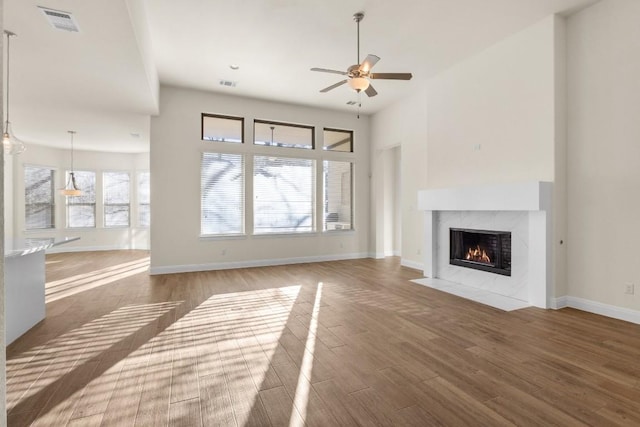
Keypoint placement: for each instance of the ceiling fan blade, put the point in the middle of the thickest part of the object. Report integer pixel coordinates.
(368, 63)
(391, 76)
(333, 86)
(370, 91)
(326, 70)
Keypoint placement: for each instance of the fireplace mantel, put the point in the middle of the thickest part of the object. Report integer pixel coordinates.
(526, 196)
(529, 202)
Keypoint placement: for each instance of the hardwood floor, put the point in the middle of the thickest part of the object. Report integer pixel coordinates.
(327, 344)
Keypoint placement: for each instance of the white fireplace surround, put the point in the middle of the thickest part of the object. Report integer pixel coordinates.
(524, 209)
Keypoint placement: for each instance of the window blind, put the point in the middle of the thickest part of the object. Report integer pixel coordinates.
(283, 195)
(39, 198)
(338, 201)
(81, 210)
(221, 194)
(144, 199)
(116, 190)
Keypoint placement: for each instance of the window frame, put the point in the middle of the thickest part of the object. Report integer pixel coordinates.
(94, 204)
(313, 189)
(293, 125)
(52, 203)
(243, 195)
(104, 199)
(226, 117)
(139, 223)
(351, 201)
(326, 149)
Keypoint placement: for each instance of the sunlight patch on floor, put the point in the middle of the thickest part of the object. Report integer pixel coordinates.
(301, 398)
(68, 286)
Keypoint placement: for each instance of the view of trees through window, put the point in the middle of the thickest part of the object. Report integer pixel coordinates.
(39, 197)
(282, 165)
(81, 210)
(116, 190)
(283, 195)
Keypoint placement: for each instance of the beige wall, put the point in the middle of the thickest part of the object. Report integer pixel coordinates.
(98, 238)
(604, 152)
(491, 117)
(402, 125)
(176, 150)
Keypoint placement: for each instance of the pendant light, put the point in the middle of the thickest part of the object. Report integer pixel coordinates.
(71, 189)
(12, 145)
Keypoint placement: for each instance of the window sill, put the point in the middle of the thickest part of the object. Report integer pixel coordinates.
(222, 237)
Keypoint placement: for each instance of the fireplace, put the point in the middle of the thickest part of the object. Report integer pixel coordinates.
(484, 250)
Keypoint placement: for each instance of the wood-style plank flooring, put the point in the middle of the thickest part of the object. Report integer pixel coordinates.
(329, 344)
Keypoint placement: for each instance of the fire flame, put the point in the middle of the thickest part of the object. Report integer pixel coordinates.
(478, 255)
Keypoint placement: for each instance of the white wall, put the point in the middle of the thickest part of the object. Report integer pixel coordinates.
(604, 152)
(98, 238)
(403, 125)
(176, 148)
(491, 117)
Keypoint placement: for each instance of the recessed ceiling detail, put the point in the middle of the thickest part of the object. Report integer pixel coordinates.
(60, 20)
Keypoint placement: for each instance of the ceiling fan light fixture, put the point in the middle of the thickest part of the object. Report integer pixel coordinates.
(359, 84)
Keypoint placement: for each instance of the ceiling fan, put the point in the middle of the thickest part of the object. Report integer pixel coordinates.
(358, 75)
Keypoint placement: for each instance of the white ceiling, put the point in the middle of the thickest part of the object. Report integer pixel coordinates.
(102, 81)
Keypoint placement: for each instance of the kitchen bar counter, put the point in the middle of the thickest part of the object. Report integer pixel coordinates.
(24, 283)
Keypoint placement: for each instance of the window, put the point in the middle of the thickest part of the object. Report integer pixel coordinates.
(283, 193)
(144, 200)
(116, 199)
(222, 128)
(81, 210)
(338, 140)
(337, 195)
(39, 193)
(221, 194)
(283, 135)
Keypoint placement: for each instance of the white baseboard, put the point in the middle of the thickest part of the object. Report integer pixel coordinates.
(615, 312)
(558, 303)
(412, 264)
(255, 263)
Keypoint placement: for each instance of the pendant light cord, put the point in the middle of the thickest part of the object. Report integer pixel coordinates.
(9, 34)
(72, 132)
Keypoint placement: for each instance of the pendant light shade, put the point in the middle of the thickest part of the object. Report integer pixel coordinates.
(71, 189)
(11, 144)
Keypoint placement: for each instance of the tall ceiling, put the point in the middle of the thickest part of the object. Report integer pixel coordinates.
(103, 80)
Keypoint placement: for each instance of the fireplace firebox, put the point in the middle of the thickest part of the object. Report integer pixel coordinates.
(484, 250)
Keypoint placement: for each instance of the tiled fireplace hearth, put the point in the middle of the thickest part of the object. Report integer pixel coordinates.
(492, 238)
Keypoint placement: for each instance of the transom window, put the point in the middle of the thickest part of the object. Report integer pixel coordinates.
(338, 140)
(222, 128)
(286, 135)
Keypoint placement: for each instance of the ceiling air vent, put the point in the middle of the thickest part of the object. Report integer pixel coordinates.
(60, 20)
(228, 83)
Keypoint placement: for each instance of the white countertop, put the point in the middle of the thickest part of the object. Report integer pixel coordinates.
(21, 247)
